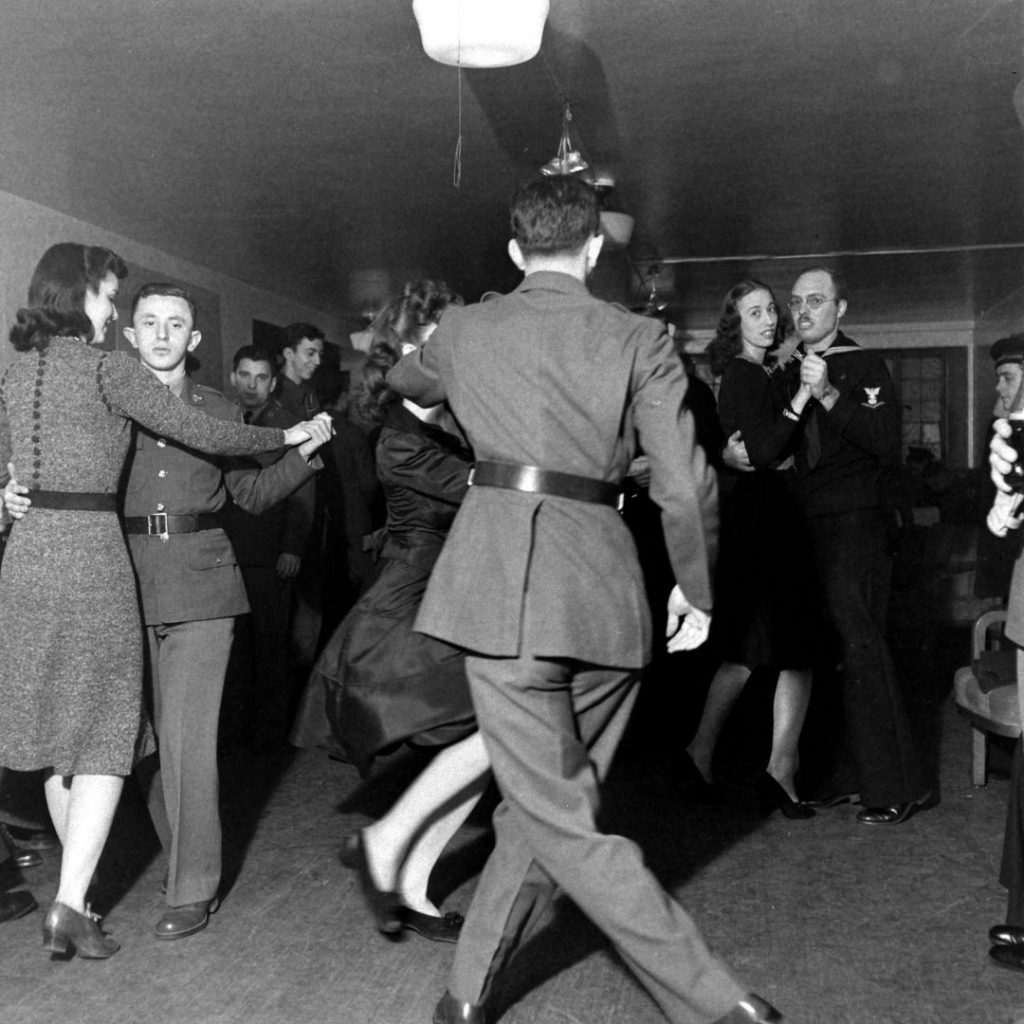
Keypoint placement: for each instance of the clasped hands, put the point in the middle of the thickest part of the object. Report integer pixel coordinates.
(310, 434)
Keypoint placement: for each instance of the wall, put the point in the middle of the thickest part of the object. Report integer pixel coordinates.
(28, 229)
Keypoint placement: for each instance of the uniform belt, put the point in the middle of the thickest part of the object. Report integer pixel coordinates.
(159, 524)
(533, 480)
(79, 501)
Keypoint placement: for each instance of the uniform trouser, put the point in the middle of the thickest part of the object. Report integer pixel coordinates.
(188, 661)
(551, 728)
(855, 572)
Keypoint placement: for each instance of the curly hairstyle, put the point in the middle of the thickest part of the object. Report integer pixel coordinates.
(726, 344)
(400, 322)
(56, 296)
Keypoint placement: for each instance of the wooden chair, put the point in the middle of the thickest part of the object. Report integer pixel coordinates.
(990, 708)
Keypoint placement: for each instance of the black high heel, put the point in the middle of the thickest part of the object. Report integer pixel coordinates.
(770, 795)
(66, 932)
(19, 856)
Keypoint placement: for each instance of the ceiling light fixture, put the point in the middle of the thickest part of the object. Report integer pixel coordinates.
(481, 33)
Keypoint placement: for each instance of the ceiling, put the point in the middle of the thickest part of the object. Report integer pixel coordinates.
(306, 146)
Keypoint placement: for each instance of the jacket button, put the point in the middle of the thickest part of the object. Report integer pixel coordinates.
(159, 506)
(162, 473)
(161, 443)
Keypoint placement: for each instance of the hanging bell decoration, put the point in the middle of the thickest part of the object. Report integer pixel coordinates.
(567, 160)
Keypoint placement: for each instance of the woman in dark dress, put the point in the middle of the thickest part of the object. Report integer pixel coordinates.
(762, 586)
(70, 633)
(387, 684)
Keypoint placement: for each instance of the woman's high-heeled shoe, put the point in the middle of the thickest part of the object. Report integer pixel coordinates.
(385, 905)
(770, 795)
(66, 932)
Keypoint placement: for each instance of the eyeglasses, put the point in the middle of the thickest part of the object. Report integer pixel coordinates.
(813, 302)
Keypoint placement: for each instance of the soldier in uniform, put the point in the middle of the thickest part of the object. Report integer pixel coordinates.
(191, 591)
(539, 581)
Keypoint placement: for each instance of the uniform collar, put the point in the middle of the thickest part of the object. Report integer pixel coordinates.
(841, 343)
(553, 281)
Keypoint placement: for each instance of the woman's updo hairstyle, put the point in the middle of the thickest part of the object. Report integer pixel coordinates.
(56, 296)
(401, 322)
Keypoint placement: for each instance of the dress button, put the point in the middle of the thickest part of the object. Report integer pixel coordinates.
(159, 506)
(161, 443)
(162, 473)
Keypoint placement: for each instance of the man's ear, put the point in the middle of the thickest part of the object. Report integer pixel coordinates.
(273, 383)
(129, 333)
(840, 309)
(516, 254)
(193, 341)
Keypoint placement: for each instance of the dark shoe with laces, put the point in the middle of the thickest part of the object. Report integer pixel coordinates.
(450, 1011)
(751, 1009)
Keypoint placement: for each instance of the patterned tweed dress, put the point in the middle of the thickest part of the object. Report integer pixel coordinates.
(70, 634)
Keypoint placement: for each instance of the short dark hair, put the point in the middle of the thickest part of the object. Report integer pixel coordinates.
(551, 215)
(56, 295)
(255, 354)
(294, 333)
(165, 288)
(726, 344)
(837, 279)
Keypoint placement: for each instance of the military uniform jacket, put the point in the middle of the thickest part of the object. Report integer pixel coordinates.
(549, 376)
(260, 538)
(857, 437)
(193, 576)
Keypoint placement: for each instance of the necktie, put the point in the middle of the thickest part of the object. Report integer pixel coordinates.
(812, 438)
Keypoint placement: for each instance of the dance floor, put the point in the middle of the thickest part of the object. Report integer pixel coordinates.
(830, 920)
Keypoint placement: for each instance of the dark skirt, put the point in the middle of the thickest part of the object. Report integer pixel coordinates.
(383, 682)
(766, 609)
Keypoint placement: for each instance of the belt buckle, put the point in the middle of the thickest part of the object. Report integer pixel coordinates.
(472, 473)
(156, 525)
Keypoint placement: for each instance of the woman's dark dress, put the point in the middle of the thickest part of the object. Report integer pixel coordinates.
(384, 682)
(764, 593)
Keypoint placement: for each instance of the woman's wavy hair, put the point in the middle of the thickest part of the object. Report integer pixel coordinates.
(56, 296)
(726, 344)
(399, 323)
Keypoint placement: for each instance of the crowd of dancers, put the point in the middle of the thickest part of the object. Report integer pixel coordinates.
(502, 621)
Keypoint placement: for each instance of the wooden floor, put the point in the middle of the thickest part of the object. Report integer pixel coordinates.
(833, 922)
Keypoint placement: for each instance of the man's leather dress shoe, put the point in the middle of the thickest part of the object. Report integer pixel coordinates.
(450, 1011)
(1010, 957)
(16, 904)
(897, 813)
(751, 1009)
(1006, 935)
(185, 920)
